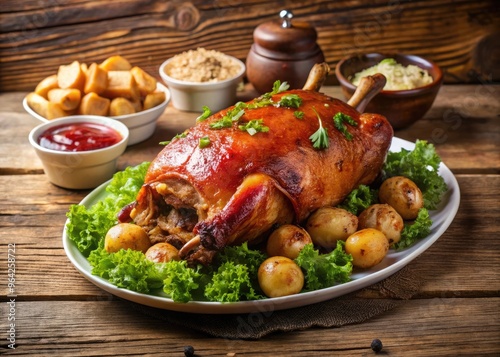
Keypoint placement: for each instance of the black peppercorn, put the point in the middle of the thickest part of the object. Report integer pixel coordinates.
(189, 351)
(377, 345)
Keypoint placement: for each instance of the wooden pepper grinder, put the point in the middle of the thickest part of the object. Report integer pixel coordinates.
(283, 50)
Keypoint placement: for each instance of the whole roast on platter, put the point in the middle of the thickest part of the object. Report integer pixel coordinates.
(274, 160)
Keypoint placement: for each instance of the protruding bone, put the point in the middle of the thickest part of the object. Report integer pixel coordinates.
(367, 89)
(189, 246)
(317, 77)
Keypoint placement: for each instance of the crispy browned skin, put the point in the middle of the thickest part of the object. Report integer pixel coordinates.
(246, 183)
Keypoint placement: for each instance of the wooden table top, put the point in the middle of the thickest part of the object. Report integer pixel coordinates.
(59, 313)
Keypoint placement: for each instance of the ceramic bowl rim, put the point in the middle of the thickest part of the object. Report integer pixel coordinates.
(39, 129)
(436, 80)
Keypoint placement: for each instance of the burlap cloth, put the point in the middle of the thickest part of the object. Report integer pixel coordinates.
(352, 308)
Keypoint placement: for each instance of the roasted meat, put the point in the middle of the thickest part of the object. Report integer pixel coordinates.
(238, 186)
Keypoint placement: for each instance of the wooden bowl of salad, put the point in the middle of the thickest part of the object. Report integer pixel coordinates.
(412, 84)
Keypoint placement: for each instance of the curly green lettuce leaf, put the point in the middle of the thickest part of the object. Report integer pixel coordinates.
(324, 270)
(125, 184)
(359, 199)
(420, 165)
(231, 283)
(128, 269)
(242, 255)
(182, 283)
(87, 227)
(418, 229)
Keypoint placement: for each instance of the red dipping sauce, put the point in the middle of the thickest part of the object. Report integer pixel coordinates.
(79, 137)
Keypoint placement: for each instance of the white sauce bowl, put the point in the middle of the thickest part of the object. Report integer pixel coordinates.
(83, 169)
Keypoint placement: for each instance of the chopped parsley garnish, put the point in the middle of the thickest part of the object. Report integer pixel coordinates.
(231, 116)
(298, 114)
(178, 136)
(390, 61)
(254, 126)
(237, 115)
(320, 136)
(225, 122)
(290, 101)
(279, 87)
(206, 113)
(204, 142)
(260, 102)
(339, 121)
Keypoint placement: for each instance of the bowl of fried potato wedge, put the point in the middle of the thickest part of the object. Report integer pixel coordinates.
(113, 88)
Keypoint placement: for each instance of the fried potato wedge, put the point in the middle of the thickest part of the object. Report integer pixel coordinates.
(116, 63)
(68, 99)
(71, 76)
(97, 80)
(44, 107)
(121, 106)
(46, 84)
(153, 99)
(94, 104)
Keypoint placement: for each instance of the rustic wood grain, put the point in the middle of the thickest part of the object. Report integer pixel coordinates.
(110, 328)
(462, 37)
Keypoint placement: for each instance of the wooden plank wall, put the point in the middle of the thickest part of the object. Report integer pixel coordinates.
(37, 36)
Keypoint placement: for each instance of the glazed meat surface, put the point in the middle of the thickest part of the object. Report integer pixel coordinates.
(240, 185)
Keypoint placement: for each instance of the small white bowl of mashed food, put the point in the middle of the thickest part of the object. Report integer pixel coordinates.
(412, 84)
(81, 151)
(201, 77)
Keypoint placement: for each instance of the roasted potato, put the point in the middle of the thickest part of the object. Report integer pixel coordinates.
(45, 108)
(403, 195)
(68, 99)
(81, 89)
(121, 106)
(329, 224)
(126, 236)
(121, 84)
(84, 68)
(94, 104)
(145, 82)
(368, 247)
(162, 253)
(71, 76)
(97, 80)
(280, 276)
(137, 105)
(154, 99)
(383, 218)
(287, 240)
(116, 63)
(45, 85)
